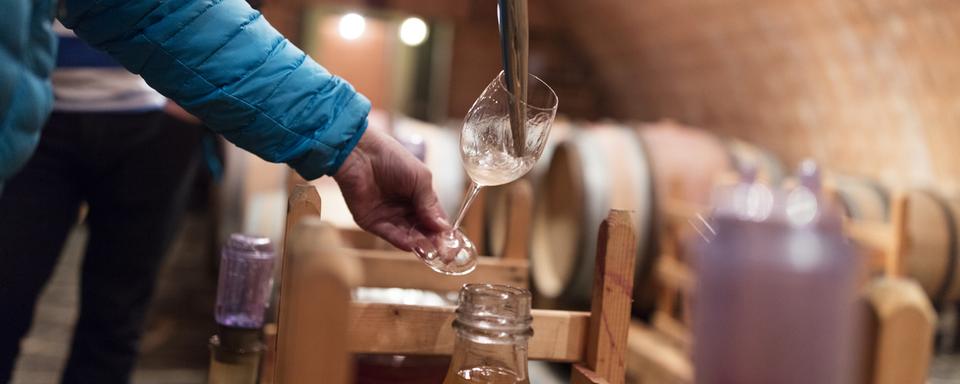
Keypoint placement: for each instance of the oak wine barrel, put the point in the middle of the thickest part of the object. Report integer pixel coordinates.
(496, 209)
(931, 255)
(746, 155)
(861, 198)
(687, 162)
(593, 171)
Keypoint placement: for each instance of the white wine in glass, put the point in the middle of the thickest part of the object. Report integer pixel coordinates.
(490, 158)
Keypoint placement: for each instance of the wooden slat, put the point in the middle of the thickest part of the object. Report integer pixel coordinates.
(871, 234)
(612, 296)
(673, 330)
(415, 330)
(583, 375)
(898, 219)
(395, 269)
(311, 342)
(675, 274)
(900, 337)
(268, 366)
(652, 359)
(680, 211)
(359, 239)
(304, 201)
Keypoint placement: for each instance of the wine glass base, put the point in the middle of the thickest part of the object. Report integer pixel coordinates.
(448, 252)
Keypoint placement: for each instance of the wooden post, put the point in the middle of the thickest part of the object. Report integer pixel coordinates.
(520, 205)
(304, 201)
(612, 291)
(900, 336)
(313, 344)
(899, 240)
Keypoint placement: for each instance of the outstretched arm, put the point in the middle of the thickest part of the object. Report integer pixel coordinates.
(222, 62)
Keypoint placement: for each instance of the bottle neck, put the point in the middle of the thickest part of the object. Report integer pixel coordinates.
(481, 359)
(492, 326)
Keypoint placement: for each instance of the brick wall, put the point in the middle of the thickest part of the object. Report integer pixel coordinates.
(475, 58)
(869, 87)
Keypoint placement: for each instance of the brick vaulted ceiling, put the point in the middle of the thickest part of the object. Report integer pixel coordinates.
(865, 86)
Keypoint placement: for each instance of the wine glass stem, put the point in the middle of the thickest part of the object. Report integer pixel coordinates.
(467, 200)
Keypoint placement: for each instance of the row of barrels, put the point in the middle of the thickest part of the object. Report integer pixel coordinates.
(931, 255)
(590, 168)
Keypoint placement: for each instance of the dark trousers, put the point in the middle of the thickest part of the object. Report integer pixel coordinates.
(133, 170)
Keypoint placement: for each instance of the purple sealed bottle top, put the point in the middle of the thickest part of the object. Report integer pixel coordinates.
(251, 246)
(245, 282)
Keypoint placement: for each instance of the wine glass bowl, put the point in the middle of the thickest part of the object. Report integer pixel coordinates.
(491, 157)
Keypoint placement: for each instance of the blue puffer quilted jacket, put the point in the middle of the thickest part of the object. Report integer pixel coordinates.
(27, 52)
(219, 59)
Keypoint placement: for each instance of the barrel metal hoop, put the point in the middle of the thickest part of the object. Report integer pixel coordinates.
(845, 203)
(884, 196)
(941, 295)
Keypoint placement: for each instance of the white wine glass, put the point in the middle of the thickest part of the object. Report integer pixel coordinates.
(491, 158)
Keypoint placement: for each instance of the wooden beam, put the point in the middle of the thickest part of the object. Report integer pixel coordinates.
(311, 341)
(304, 201)
(680, 211)
(899, 212)
(673, 330)
(357, 238)
(416, 330)
(395, 269)
(583, 375)
(672, 273)
(268, 367)
(870, 234)
(612, 297)
(651, 358)
(901, 326)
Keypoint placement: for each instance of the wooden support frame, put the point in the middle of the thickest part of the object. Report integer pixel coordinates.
(900, 325)
(596, 341)
(558, 335)
(394, 269)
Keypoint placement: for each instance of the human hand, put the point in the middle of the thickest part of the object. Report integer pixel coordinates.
(389, 191)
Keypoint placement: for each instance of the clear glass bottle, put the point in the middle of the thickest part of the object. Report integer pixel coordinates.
(492, 326)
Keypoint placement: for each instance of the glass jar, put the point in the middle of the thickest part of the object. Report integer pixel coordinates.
(492, 327)
(246, 278)
(776, 288)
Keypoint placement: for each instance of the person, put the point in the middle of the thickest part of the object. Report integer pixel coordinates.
(108, 143)
(223, 63)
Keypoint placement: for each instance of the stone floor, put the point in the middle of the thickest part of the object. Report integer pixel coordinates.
(174, 349)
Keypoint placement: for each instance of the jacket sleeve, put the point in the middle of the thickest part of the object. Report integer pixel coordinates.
(27, 52)
(224, 63)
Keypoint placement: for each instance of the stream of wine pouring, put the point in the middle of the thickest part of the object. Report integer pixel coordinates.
(514, 43)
